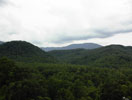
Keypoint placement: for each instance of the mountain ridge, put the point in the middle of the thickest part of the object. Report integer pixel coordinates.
(24, 51)
(106, 56)
(74, 46)
(112, 55)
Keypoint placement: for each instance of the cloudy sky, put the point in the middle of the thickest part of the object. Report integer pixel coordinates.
(61, 22)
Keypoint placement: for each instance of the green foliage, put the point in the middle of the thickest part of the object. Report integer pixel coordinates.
(24, 51)
(107, 75)
(7, 68)
(109, 56)
(39, 81)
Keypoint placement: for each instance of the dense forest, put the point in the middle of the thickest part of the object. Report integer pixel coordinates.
(38, 81)
(108, 56)
(24, 51)
(100, 74)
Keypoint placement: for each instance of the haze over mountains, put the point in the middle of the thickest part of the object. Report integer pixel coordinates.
(74, 46)
(84, 65)
(1, 42)
(108, 56)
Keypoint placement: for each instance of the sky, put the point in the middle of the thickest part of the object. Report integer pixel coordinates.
(61, 22)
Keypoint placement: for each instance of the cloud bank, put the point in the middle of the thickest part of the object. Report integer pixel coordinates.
(45, 22)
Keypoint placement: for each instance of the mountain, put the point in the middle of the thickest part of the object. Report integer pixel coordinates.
(1, 42)
(74, 46)
(24, 51)
(108, 56)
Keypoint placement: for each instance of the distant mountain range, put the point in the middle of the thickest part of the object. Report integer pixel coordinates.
(79, 54)
(108, 56)
(74, 46)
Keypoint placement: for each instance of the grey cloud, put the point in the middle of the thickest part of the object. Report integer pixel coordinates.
(83, 21)
(105, 33)
(37, 42)
(2, 2)
(100, 34)
(68, 39)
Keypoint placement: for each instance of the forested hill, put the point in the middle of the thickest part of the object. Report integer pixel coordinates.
(45, 81)
(109, 56)
(24, 51)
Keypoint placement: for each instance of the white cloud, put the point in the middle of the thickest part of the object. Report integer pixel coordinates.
(124, 39)
(46, 22)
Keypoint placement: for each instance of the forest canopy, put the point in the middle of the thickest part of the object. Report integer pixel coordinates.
(39, 81)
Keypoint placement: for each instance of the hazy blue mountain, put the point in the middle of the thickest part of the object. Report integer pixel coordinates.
(1, 42)
(74, 46)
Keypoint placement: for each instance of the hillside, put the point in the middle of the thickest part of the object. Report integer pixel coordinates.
(109, 56)
(24, 51)
(107, 75)
(74, 46)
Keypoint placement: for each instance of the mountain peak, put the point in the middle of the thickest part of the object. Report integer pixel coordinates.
(1, 42)
(22, 50)
(74, 46)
